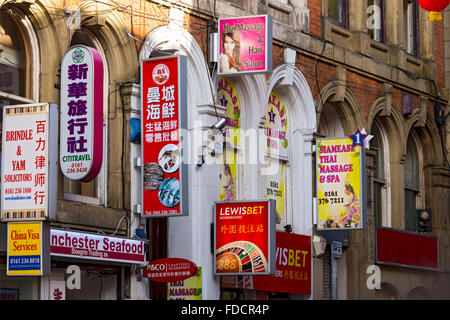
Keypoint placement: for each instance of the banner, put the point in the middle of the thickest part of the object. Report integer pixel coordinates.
(187, 289)
(340, 169)
(245, 45)
(244, 237)
(229, 98)
(275, 127)
(163, 95)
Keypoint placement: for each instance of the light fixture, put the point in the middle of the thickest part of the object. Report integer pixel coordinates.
(220, 125)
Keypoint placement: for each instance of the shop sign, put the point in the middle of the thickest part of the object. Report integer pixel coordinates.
(29, 157)
(81, 143)
(188, 289)
(276, 127)
(27, 254)
(293, 268)
(245, 45)
(407, 249)
(229, 99)
(96, 247)
(244, 237)
(169, 270)
(341, 192)
(57, 290)
(164, 114)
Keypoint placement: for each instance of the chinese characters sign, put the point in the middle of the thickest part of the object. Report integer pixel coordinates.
(188, 289)
(293, 268)
(245, 45)
(244, 237)
(81, 145)
(163, 98)
(25, 162)
(26, 249)
(340, 188)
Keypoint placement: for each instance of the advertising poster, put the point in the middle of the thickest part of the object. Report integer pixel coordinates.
(81, 151)
(229, 98)
(25, 162)
(245, 45)
(187, 289)
(276, 127)
(163, 84)
(25, 249)
(228, 183)
(340, 189)
(275, 189)
(244, 237)
(293, 268)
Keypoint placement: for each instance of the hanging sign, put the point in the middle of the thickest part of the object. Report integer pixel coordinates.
(340, 168)
(29, 160)
(164, 114)
(245, 45)
(169, 270)
(244, 237)
(293, 268)
(27, 249)
(229, 99)
(64, 243)
(81, 144)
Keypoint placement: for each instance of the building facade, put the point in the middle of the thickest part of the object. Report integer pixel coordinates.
(337, 65)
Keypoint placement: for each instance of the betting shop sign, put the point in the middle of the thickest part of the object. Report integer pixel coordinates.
(81, 142)
(28, 162)
(164, 113)
(244, 237)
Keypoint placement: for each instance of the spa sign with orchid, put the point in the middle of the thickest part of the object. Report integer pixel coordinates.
(340, 184)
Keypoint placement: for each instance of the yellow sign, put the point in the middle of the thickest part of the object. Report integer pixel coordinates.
(228, 97)
(276, 126)
(340, 188)
(187, 289)
(24, 249)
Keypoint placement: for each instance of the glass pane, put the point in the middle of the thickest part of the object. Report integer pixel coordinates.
(12, 57)
(335, 10)
(412, 165)
(377, 203)
(410, 210)
(377, 144)
(275, 186)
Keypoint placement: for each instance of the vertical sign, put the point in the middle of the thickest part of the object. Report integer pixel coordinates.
(340, 169)
(187, 289)
(28, 253)
(275, 127)
(81, 145)
(244, 237)
(164, 114)
(245, 45)
(27, 162)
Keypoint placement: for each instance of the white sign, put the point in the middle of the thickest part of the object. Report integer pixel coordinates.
(96, 247)
(57, 290)
(25, 162)
(337, 249)
(81, 145)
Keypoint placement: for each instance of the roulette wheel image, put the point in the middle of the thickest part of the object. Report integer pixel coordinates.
(240, 257)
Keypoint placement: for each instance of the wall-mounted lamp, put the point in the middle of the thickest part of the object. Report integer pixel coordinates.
(424, 220)
(220, 125)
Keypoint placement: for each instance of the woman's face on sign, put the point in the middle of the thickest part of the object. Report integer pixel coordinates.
(228, 45)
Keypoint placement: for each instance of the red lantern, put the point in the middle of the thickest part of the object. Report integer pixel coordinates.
(435, 7)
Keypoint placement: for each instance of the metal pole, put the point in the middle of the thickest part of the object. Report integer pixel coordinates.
(334, 278)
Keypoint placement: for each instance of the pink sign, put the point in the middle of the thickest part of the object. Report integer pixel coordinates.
(245, 45)
(81, 152)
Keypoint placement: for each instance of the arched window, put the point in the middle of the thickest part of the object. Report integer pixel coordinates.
(412, 183)
(381, 176)
(93, 192)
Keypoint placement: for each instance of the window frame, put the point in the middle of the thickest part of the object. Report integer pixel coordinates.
(415, 189)
(345, 14)
(412, 28)
(382, 32)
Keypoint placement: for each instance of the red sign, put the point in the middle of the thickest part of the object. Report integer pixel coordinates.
(245, 237)
(407, 249)
(163, 96)
(169, 270)
(293, 268)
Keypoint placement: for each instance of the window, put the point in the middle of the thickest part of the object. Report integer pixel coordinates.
(380, 177)
(411, 18)
(93, 192)
(412, 184)
(338, 12)
(376, 20)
